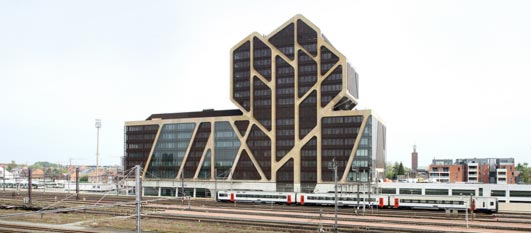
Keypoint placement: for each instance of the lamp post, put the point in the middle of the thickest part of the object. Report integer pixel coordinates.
(98, 126)
(216, 183)
(357, 177)
(333, 166)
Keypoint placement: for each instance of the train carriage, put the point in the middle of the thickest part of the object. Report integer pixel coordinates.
(349, 199)
(256, 197)
(483, 204)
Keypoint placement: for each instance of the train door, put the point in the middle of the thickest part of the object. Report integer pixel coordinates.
(302, 199)
(232, 197)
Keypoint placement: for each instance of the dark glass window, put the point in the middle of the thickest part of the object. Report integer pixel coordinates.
(260, 145)
(138, 143)
(241, 75)
(328, 60)
(197, 149)
(204, 173)
(285, 108)
(169, 150)
(307, 37)
(309, 166)
(262, 103)
(262, 58)
(338, 137)
(331, 86)
(245, 169)
(283, 40)
(226, 145)
(307, 114)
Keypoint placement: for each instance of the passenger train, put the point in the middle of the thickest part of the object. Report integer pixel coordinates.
(478, 204)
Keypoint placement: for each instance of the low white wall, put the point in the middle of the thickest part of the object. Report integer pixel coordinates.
(514, 207)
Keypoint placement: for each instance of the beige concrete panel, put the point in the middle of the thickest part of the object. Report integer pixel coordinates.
(151, 151)
(210, 146)
(354, 148)
(244, 146)
(188, 151)
(200, 164)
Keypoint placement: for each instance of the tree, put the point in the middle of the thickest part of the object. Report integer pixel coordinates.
(401, 170)
(12, 165)
(524, 172)
(83, 179)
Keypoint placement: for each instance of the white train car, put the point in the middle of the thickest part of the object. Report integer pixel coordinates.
(257, 197)
(484, 204)
(349, 199)
(480, 204)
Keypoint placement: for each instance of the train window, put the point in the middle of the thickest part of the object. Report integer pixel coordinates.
(520, 193)
(463, 192)
(410, 191)
(442, 192)
(491, 203)
(388, 190)
(431, 201)
(222, 195)
(497, 193)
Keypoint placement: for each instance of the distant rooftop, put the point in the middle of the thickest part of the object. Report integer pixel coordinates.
(204, 113)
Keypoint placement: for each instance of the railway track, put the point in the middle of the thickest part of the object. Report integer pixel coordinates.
(5, 227)
(300, 216)
(346, 214)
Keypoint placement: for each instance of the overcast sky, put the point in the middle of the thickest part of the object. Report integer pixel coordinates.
(452, 77)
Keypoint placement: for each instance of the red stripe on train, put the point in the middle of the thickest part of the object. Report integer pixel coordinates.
(289, 199)
(396, 203)
(381, 204)
(302, 200)
(232, 197)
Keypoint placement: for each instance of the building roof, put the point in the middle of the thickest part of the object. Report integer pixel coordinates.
(204, 113)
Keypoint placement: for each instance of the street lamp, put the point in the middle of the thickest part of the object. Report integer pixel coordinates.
(333, 166)
(98, 126)
(356, 171)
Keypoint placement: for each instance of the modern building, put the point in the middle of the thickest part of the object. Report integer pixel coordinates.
(445, 171)
(295, 96)
(414, 160)
(489, 170)
(474, 170)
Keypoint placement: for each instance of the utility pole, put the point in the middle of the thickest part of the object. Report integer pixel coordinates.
(370, 188)
(333, 166)
(69, 178)
(98, 126)
(138, 197)
(4, 180)
(182, 183)
(216, 183)
(77, 183)
(357, 172)
(29, 186)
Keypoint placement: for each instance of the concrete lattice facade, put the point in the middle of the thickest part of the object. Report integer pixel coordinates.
(296, 94)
